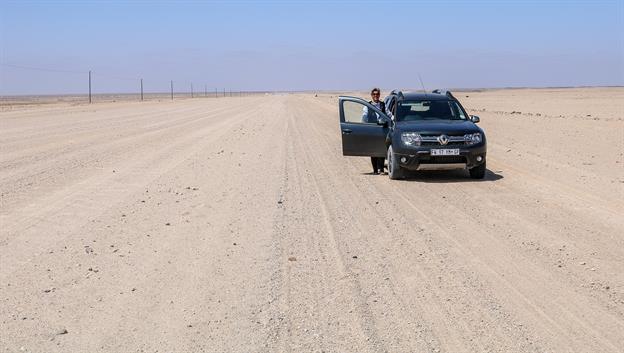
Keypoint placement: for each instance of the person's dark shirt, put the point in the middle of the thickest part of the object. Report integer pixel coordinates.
(371, 116)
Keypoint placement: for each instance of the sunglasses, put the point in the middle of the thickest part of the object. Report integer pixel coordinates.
(375, 94)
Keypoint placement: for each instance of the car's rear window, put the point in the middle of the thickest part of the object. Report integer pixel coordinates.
(429, 109)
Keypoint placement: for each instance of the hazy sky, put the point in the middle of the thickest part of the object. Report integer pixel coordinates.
(288, 45)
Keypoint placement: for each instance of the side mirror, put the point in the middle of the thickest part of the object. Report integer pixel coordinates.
(475, 119)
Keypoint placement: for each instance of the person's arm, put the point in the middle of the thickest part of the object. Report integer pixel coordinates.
(389, 113)
(365, 114)
(383, 110)
(389, 103)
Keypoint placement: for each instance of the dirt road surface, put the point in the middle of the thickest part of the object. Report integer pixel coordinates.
(236, 225)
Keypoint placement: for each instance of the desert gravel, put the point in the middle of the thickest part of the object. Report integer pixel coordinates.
(236, 225)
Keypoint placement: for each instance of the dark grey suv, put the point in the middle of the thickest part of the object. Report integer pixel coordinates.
(418, 131)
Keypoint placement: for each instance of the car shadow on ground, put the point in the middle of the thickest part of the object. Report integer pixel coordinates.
(450, 176)
(447, 176)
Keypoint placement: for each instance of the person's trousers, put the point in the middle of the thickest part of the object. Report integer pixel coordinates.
(378, 164)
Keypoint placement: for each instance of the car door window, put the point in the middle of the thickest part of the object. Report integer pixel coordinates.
(356, 112)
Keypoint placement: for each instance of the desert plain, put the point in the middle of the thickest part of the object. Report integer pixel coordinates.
(235, 224)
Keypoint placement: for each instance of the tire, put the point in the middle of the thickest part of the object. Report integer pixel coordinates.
(394, 169)
(477, 172)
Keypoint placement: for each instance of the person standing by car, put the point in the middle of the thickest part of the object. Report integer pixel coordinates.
(372, 117)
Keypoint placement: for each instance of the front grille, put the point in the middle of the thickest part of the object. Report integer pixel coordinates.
(436, 143)
(432, 140)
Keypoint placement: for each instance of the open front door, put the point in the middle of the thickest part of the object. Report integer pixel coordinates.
(363, 128)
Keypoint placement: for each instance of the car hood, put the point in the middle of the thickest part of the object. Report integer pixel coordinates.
(433, 127)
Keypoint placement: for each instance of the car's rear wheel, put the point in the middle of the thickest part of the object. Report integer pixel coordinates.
(394, 169)
(477, 172)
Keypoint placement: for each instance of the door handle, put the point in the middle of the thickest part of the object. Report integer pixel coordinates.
(346, 131)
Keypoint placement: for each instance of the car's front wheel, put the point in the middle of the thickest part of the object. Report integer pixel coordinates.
(477, 172)
(394, 169)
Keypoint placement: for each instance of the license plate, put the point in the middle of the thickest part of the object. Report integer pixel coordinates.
(445, 152)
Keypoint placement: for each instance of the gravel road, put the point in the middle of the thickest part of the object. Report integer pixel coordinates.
(236, 225)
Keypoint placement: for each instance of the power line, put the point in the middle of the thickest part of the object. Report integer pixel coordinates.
(115, 77)
(43, 69)
(107, 75)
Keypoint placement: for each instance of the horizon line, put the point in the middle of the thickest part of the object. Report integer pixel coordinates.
(200, 94)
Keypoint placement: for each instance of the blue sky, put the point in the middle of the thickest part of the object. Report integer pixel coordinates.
(48, 46)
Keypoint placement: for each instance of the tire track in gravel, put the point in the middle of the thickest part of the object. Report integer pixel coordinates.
(96, 150)
(45, 124)
(209, 291)
(379, 228)
(521, 289)
(90, 160)
(441, 323)
(186, 247)
(496, 276)
(551, 233)
(82, 132)
(317, 281)
(606, 207)
(127, 144)
(81, 200)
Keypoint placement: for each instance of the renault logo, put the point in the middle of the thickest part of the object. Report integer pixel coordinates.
(443, 139)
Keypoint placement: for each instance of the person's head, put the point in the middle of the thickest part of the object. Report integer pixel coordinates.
(375, 94)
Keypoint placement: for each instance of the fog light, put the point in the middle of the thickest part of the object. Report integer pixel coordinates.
(479, 158)
(403, 159)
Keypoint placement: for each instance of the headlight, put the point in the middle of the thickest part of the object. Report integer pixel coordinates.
(472, 139)
(410, 139)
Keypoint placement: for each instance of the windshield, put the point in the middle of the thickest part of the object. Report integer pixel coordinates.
(428, 110)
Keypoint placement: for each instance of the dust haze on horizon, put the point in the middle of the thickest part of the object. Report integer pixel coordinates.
(276, 46)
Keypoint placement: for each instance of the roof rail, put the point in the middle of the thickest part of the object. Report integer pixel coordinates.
(398, 92)
(444, 92)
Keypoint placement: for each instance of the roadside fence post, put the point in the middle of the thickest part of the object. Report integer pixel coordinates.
(89, 86)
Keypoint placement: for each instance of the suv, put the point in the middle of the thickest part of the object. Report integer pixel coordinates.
(418, 131)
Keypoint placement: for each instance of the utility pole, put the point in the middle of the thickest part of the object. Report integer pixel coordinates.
(191, 90)
(205, 90)
(224, 92)
(89, 86)
(141, 90)
(171, 90)
(216, 94)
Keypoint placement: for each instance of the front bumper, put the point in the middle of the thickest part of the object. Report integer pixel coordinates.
(421, 158)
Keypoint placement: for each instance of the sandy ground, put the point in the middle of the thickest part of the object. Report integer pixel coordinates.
(236, 225)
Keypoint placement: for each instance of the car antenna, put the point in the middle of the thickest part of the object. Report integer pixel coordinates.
(423, 86)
